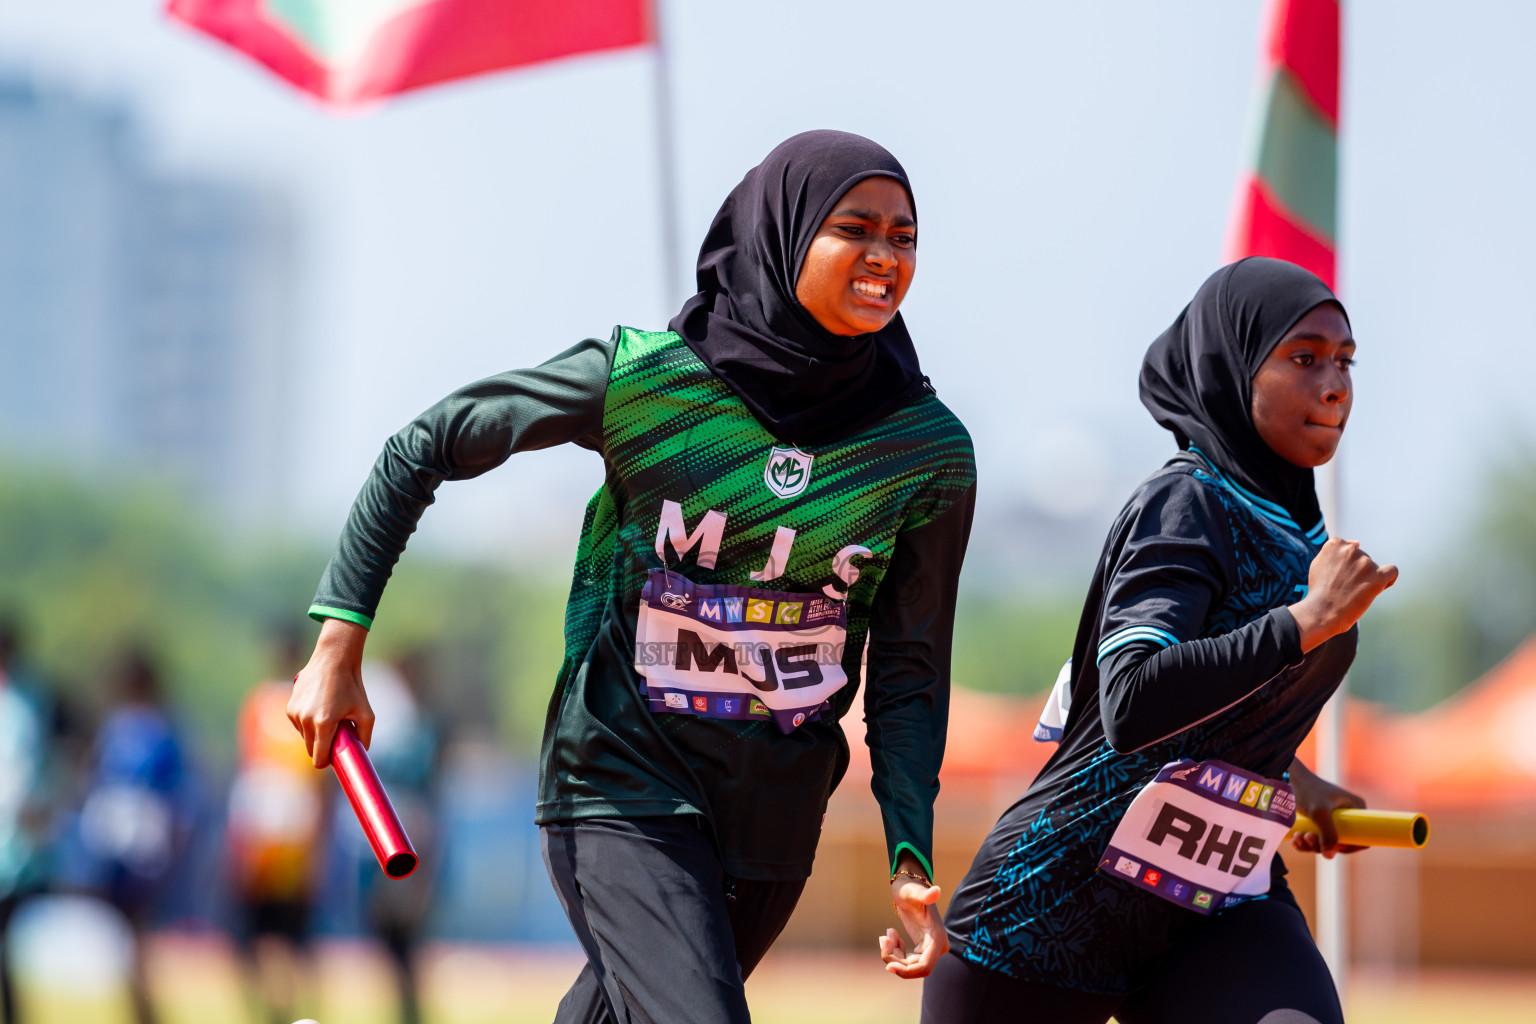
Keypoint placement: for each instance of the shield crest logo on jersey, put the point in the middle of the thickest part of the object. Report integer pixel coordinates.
(788, 471)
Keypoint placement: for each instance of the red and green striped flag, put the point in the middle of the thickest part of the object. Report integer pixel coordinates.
(352, 51)
(1287, 204)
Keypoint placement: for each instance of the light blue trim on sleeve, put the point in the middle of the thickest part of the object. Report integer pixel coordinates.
(1130, 635)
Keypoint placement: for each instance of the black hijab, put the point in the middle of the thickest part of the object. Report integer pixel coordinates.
(1197, 378)
(804, 383)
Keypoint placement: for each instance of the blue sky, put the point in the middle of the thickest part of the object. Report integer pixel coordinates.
(1074, 166)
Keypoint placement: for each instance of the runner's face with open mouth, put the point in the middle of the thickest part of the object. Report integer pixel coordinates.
(859, 265)
(1302, 393)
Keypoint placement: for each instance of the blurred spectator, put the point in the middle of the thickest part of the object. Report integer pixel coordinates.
(133, 822)
(23, 746)
(275, 817)
(404, 751)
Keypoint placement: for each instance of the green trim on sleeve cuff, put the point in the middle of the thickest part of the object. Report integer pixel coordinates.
(896, 859)
(321, 612)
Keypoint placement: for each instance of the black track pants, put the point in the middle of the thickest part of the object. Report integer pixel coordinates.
(669, 938)
(1253, 964)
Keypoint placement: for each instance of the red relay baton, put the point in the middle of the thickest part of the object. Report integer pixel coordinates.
(371, 804)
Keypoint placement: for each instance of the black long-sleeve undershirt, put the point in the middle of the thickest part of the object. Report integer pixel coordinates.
(1173, 569)
(471, 432)
(1148, 693)
(906, 694)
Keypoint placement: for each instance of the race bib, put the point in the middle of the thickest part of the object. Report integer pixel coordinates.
(725, 651)
(1202, 834)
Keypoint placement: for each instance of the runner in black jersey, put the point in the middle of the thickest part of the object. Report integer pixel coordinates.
(1137, 876)
(784, 496)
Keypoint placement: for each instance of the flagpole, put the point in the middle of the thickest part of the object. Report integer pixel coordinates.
(1332, 882)
(672, 291)
(1332, 892)
(1281, 213)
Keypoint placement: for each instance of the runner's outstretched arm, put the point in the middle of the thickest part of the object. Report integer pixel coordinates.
(906, 712)
(470, 432)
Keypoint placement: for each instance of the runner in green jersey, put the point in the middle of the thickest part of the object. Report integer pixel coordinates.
(785, 509)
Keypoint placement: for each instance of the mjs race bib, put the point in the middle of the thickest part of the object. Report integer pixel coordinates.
(1202, 835)
(725, 651)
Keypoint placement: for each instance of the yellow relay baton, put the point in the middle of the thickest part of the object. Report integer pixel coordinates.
(1403, 830)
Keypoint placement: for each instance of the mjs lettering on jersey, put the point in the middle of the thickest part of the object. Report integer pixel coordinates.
(1202, 834)
(796, 529)
(672, 534)
(741, 652)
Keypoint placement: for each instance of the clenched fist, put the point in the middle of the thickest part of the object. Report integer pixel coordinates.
(330, 690)
(1341, 584)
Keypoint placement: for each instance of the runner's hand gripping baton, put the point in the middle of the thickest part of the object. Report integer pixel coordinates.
(1403, 830)
(371, 804)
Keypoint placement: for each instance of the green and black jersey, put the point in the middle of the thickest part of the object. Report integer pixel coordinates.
(708, 536)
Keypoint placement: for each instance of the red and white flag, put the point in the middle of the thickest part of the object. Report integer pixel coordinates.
(1287, 201)
(352, 51)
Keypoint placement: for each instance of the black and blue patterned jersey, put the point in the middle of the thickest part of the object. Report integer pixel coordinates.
(1185, 649)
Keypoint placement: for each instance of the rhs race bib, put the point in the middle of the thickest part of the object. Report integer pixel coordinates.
(726, 651)
(1202, 834)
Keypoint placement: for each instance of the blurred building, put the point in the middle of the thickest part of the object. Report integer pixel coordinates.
(144, 316)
